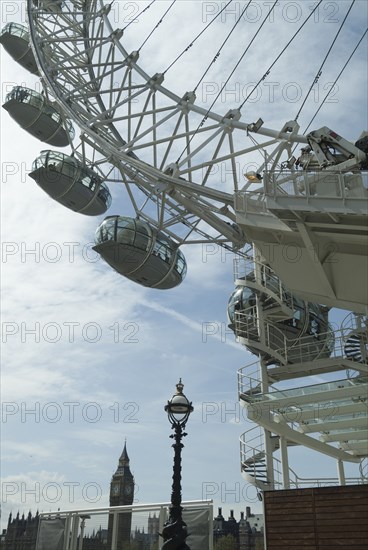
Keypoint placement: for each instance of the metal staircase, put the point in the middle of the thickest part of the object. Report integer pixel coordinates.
(253, 458)
(344, 419)
(329, 417)
(254, 467)
(269, 327)
(278, 303)
(356, 340)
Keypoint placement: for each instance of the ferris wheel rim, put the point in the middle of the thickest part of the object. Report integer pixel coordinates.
(245, 126)
(97, 141)
(155, 180)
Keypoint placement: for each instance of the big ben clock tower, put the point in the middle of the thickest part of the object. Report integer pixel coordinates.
(122, 493)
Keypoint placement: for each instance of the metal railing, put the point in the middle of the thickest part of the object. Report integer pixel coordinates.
(245, 270)
(247, 327)
(250, 389)
(310, 184)
(331, 344)
(252, 451)
(334, 346)
(253, 456)
(354, 322)
(250, 202)
(323, 184)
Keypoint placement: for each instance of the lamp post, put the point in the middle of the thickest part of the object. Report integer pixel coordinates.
(83, 518)
(175, 532)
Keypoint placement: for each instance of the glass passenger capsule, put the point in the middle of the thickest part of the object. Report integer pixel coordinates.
(71, 183)
(34, 113)
(53, 6)
(308, 326)
(15, 39)
(140, 253)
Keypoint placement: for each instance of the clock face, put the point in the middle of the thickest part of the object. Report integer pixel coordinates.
(115, 489)
(128, 489)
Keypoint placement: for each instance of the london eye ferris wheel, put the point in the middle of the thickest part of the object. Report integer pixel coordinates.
(166, 149)
(193, 171)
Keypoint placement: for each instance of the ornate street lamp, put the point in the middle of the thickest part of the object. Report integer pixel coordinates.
(83, 518)
(175, 532)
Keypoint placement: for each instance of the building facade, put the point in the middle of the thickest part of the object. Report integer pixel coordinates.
(245, 534)
(21, 532)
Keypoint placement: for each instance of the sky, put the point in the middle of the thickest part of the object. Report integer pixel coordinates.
(89, 359)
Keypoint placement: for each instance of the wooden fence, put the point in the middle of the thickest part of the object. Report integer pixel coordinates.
(323, 518)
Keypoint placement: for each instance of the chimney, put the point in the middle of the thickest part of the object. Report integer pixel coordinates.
(241, 515)
(248, 512)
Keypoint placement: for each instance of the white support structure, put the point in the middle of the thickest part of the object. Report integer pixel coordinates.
(319, 219)
(341, 472)
(284, 462)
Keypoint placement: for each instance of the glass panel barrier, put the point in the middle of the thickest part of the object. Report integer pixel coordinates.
(136, 526)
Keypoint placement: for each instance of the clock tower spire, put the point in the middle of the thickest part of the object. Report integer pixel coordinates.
(122, 482)
(124, 458)
(122, 494)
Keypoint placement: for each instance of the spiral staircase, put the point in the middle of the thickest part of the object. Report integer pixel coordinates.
(309, 391)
